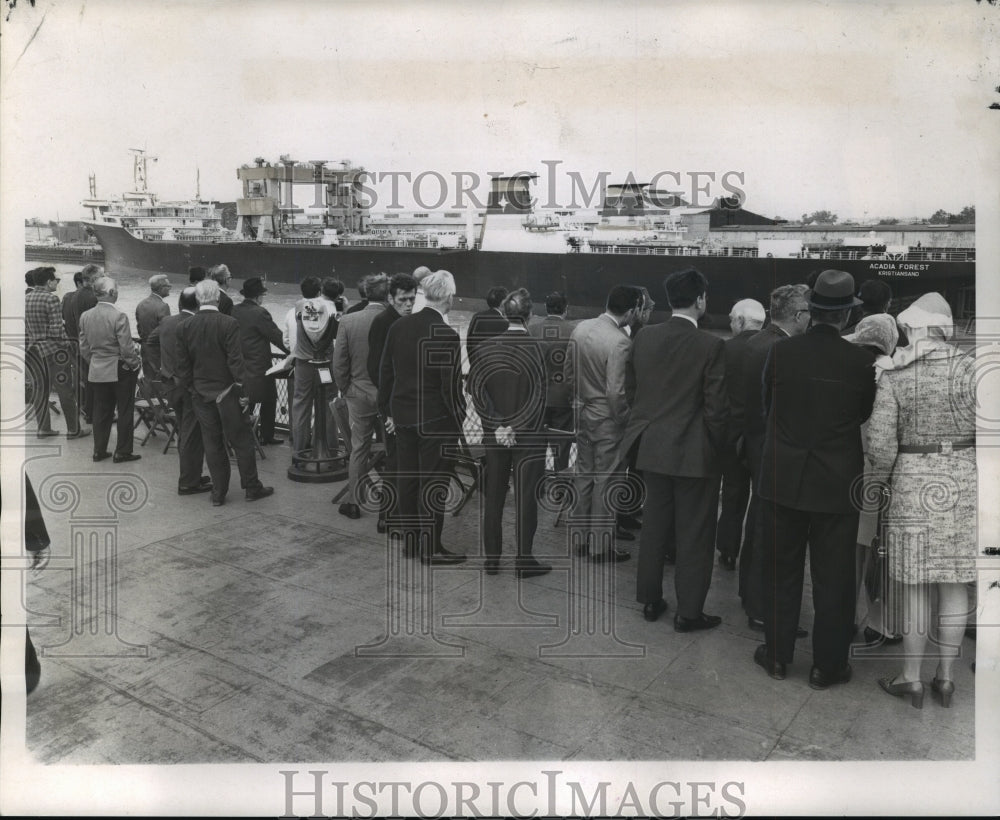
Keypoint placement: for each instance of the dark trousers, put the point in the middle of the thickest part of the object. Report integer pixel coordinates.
(528, 466)
(190, 447)
(85, 396)
(560, 418)
(830, 538)
(222, 421)
(421, 464)
(686, 508)
(262, 390)
(60, 374)
(751, 562)
(109, 397)
(389, 505)
(735, 495)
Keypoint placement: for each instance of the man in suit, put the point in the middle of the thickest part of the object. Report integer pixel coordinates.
(350, 372)
(745, 319)
(149, 313)
(402, 296)
(112, 369)
(678, 426)
(210, 365)
(554, 331)
(222, 277)
(818, 391)
(258, 333)
(789, 317)
(420, 399)
(595, 370)
(514, 399)
(363, 297)
(46, 337)
(162, 345)
(486, 323)
(84, 301)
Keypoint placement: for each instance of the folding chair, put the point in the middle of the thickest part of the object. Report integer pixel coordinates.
(472, 458)
(164, 417)
(145, 409)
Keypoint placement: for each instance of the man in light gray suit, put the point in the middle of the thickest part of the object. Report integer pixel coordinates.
(350, 371)
(113, 366)
(595, 367)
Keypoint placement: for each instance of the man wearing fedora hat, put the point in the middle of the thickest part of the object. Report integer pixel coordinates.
(257, 333)
(818, 390)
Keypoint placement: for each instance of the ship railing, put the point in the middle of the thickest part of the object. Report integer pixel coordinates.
(923, 255)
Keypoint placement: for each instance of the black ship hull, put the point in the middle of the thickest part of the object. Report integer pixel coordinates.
(585, 278)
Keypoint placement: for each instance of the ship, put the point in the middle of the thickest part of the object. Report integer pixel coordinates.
(637, 236)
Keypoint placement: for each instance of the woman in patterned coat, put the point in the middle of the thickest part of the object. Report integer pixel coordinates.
(922, 440)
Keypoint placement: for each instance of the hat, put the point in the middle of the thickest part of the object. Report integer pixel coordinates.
(931, 312)
(834, 290)
(253, 287)
(878, 330)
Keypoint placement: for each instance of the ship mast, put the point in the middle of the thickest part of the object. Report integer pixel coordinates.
(139, 171)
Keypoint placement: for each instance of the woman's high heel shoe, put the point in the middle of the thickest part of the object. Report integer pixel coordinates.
(915, 689)
(944, 689)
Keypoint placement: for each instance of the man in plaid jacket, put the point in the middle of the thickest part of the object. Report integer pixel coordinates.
(47, 340)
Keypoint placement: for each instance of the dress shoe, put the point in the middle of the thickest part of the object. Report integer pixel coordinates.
(83, 432)
(492, 566)
(623, 534)
(47, 433)
(380, 525)
(528, 567)
(943, 690)
(218, 500)
(610, 555)
(727, 561)
(102, 456)
(350, 510)
(703, 621)
(205, 481)
(121, 459)
(654, 610)
(776, 669)
(441, 557)
(629, 522)
(912, 689)
(257, 493)
(818, 679)
(873, 636)
(201, 488)
(273, 441)
(757, 624)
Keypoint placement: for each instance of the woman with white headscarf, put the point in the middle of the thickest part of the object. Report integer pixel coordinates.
(923, 442)
(877, 603)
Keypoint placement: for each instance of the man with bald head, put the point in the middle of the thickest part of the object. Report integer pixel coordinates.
(420, 399)
(745, 319)
(149, 313)
(112, 368)
(210, 365)
(162, 344)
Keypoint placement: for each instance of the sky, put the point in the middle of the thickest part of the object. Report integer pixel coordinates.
(864, 109)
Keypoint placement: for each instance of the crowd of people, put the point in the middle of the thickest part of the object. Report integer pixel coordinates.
(815, 427)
